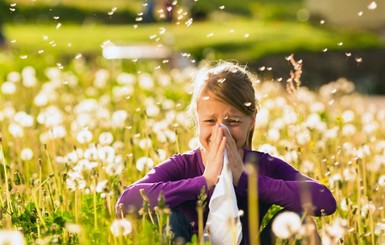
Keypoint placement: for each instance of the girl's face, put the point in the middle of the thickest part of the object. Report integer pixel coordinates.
(211, 111)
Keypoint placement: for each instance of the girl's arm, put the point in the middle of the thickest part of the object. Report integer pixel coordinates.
(166, 178)
(281, 184)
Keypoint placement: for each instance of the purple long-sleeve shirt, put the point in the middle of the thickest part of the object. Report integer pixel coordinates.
(181, 181)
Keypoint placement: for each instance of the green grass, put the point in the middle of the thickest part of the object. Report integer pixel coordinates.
(234, 38)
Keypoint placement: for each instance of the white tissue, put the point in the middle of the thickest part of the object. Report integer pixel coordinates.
(223, 220)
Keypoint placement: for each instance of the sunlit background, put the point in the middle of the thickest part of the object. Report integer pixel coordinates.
(93, 94)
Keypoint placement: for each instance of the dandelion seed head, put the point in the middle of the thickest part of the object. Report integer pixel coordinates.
(84, 136)
(26, 154)
(106, 138)
(144, 163)
(286, 224)
(121, 227)
(8, 88)
(11, 237)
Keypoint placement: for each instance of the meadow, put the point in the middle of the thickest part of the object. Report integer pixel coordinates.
(76, 129)
(73, 139)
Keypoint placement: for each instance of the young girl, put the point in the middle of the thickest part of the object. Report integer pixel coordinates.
(224, 94)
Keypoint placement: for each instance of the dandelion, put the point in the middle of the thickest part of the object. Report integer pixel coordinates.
(121, 227)
(84, 136)
(194, 143)
(8, 88)
(73, 228)
(143, 163)
(145, 143)
(286, 224)
(15, 130)
(381, 181)
(11, 237)
(26, 154)
(273, 135)
(106, 138)
(372, 5)
(152, 110)
(146, 81)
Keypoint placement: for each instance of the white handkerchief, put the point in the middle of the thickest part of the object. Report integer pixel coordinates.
(223, 220)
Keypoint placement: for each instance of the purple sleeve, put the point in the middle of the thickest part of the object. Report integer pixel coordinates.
(279, 183)
(169, 178)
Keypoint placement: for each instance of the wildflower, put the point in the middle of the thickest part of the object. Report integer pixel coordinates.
(121, 227)
(26, 154)
(194, 143)
(11, 237)
(73, 228)
(84, 136)
(15, 130)
(152, 110)
(23, 119)
(273, 134)
(29, 77)
(106, 138)
(332, 233)
(118, 119)
(348, 116)
(145, 143)
(286, 224)
(146, 81)
(8, 88)
(348, 130)
(143, 163)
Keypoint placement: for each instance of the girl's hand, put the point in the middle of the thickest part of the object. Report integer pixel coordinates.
(234, 156)
(214, 159)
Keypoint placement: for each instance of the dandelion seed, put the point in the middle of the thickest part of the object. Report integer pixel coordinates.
(262, 68)
(372, 5)
(40, 51)
(78, 56)
(324, 50)
(56, 17)
(286, 224)
(340, 44)
(58, 25)
(381, 181)
(222, 7)
(138, 19)
(112, 11)
(322, 22)
(23, 57)
(360, 13)
(231, 30)
(247, 104)
(348, 54)
(210, 34)
(189, 22)
(247, 35)
(13, 41)
(206, 98)
(358, 60)
(121, 227)
(221, 80)
(12, 9)
(135, 26)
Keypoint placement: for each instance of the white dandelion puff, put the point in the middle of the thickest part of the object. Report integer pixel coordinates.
(26, 154)
(121, 227)
(143, 163)
(286, 224)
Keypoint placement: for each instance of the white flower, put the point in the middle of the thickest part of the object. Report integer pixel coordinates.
(272, 150)
(23, 119)
(125, 79)
(26, 154)
(146, 81)
(11, 237)
(121, 227)
(348, 116)
(194, 143)
(73, 228)
(145, 143)
(348, 130)
(286, 224)
(152, 110)
(262, 118)
(8, 88)
(106, 138)
(273, 134)
(84, 136)
(29, 77)
(118, 119)
(143, 163)
(15, 130)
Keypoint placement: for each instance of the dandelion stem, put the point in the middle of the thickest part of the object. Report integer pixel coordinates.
(95, 211)
(8, 195)
(253, 203)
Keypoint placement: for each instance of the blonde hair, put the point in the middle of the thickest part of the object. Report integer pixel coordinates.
(230, 83)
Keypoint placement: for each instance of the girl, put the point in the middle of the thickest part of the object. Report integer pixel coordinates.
(224, 94)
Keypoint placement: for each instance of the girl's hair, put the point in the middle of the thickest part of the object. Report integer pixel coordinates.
(230, 83)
